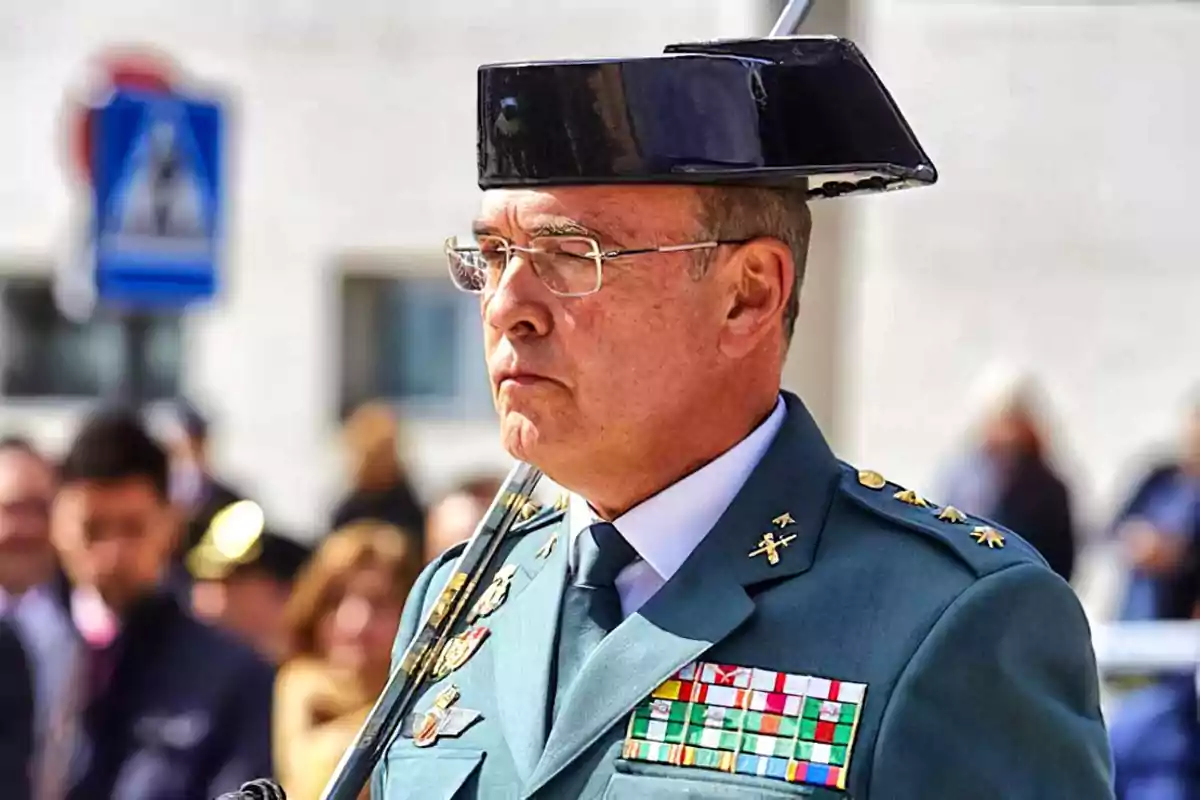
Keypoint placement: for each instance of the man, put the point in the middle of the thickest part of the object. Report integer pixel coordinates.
(171, 707)
(723, 610)
(35, 632)
(454, 517)
(193, 488)
(1160, 528)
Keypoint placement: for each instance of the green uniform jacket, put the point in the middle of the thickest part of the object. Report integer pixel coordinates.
(980, 681)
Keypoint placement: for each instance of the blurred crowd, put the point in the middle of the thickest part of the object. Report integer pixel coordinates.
(1008, 474)
(158, 637)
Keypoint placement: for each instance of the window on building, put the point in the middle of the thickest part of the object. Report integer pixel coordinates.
(415, 340)
(45, 355)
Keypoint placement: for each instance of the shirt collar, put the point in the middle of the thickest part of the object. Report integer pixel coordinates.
(666, 528)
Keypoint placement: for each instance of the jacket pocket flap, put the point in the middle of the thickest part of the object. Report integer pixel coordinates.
(429, 776)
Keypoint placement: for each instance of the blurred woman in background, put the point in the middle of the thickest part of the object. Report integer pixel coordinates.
(1006, 475)
(380, 488)
(343, 618)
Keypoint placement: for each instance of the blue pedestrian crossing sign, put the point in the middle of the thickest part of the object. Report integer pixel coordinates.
(158, 200)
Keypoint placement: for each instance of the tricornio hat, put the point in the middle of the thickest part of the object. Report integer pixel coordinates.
(783, 112)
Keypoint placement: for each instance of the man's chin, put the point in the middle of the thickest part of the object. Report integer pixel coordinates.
(524, 436)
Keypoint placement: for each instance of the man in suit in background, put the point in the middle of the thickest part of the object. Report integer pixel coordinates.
(36, 640)
(170, 707)
(194, 490)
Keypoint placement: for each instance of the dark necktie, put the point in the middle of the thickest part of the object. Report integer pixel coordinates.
(591, 604)
(16, 714)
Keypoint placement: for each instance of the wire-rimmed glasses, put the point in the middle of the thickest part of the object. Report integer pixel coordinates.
(570, 266)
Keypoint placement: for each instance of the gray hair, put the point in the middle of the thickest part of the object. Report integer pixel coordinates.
(744, 212)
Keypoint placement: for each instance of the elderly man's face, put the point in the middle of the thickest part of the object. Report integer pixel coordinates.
(579, 378)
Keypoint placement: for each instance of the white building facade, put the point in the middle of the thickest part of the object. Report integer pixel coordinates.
(1058, 237)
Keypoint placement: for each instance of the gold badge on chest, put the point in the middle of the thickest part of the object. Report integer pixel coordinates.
(494, 595)
(458, 650)
(426, 727)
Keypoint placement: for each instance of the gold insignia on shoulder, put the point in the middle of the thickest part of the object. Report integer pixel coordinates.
(784, 519)
(912, 498)
(547, 546)
(952, 514)
(870, 479)
(770, 546)
(529, 509)
(562, 501)
(458, 650)
(988, 535)
(494, 595)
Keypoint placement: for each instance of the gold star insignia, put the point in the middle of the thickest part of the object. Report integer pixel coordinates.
(989, 536)
(951, 514)
(529, 509)
(784, 519)
(870, 479)
(912, 498)
(562, 501)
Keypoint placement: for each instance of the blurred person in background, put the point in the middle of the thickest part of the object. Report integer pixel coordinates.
(169, 706)
(1155, 730)
(35, 632)
(453, 518)
(1160, 528)
(380, 488)
(343, 618)
(1006, 475)
(194, 490)
(242, 577)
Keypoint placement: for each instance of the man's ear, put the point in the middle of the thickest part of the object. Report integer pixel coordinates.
(759, 275)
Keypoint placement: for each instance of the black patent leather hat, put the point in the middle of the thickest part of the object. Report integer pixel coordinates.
(785, 112)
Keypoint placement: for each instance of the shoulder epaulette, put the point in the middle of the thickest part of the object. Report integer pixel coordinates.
(983, 545)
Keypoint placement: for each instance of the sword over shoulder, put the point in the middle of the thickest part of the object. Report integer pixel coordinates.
(415, 666)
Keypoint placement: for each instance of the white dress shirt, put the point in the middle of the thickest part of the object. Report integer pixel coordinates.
(666, 528)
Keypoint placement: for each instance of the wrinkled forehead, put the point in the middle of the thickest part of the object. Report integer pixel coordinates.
(621, 213)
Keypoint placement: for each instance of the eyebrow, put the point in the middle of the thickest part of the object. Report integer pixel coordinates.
(481, 228)
(557, 227)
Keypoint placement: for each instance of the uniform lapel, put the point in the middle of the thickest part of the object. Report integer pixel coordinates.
(523, 651)
(706, 600)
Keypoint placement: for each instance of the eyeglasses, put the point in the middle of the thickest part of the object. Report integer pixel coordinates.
(570, 266)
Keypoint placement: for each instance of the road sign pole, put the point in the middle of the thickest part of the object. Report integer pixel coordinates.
(134, 387)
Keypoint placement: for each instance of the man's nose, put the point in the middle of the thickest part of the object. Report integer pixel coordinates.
(518, 305)
(106, 557)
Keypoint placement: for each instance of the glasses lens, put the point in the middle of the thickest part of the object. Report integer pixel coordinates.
(568, 265)
(473, 269)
